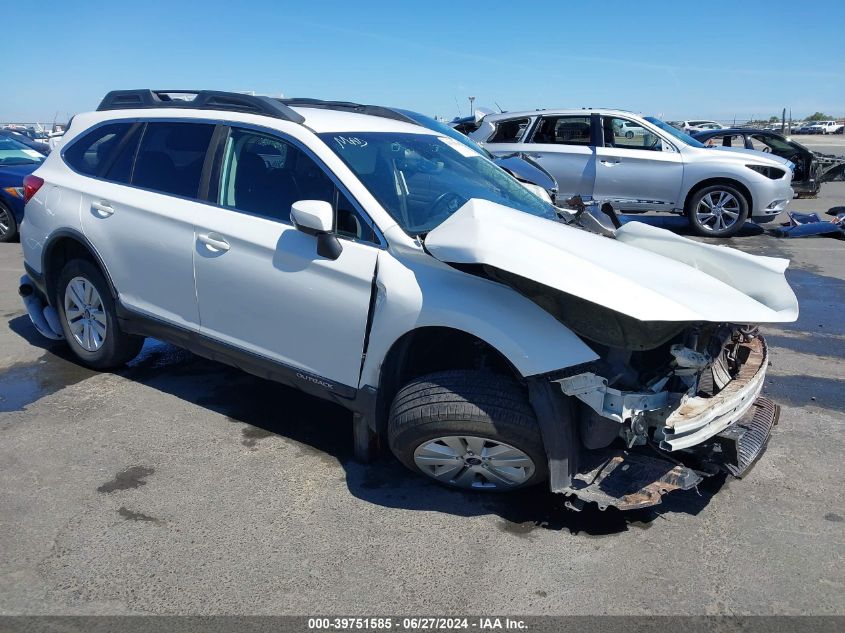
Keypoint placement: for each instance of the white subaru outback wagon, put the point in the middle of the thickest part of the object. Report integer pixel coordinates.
(484, 335)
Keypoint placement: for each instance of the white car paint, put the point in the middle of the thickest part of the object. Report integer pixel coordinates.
(258, 285)
(702, 283)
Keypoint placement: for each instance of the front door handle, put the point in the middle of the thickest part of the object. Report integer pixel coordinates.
(214, 241)
(535, 156)
(102, 208)
(610, 163)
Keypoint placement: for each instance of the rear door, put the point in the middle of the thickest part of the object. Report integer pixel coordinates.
(564, 145)
(138, 211)
(261, 285)
(639, 172)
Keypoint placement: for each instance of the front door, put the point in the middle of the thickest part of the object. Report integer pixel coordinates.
(261, 286)
(636, 170)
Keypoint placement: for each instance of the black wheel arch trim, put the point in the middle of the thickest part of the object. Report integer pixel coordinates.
(557, 420)
(49, 277)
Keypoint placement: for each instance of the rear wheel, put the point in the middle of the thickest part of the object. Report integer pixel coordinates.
(8, 226)
(717, 211)
(89, 321)
(468, 429)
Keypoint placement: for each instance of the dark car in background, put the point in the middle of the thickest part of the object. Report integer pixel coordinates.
(38, 146)
(811, 168)
(17, 161)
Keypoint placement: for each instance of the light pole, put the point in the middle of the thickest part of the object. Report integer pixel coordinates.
(471, 109)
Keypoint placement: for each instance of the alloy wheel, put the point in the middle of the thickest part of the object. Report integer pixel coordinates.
(717, 211)
(5, 222)
(85, 314)
(466, 461)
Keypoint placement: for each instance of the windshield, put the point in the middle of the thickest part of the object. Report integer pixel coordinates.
(422, 179)
(685, 138)
(437, 126)
(13, 152)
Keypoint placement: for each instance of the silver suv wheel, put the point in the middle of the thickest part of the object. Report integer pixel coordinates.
(84, 313)
(718, 211)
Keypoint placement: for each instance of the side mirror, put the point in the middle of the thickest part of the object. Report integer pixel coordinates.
(312, 216)
(316, 217)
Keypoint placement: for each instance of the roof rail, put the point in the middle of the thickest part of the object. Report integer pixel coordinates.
(346, 106)
(198, 100)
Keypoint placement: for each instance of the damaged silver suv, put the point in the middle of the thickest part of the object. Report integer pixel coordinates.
(492, 340)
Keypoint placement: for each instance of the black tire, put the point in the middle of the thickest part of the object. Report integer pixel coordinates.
(700, 228)
(117, 346)
(8, 218)
(465, 402)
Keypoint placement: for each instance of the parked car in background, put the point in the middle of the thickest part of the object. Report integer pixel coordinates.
(17, 161)
(825, 127)
(38, 146)
(629, 130)
(386, 267)
(805, 128)
(811, 168)
(661, 170)
(699, 125)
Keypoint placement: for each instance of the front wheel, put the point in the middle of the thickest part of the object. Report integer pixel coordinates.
(717, 211)
(468, 429)
(89, 321)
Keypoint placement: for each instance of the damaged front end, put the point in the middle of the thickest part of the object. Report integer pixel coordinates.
(669, 416)
(674, 393)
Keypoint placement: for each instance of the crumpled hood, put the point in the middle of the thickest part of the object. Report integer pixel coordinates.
(647, 273)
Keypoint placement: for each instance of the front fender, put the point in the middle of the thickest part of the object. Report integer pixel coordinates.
(416, 291)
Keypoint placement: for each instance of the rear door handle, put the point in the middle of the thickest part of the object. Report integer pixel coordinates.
(102, 208)
(214, 241)
(610, 163)
(534, 155)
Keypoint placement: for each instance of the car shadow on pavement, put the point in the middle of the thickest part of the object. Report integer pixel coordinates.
(263, 409)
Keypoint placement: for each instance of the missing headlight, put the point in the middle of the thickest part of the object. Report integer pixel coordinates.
(769, 172)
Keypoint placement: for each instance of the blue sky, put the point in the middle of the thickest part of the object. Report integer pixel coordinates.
(672, 59)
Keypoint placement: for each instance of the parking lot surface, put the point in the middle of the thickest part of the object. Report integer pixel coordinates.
(179, 485)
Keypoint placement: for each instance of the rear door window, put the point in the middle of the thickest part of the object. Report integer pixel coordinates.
(171, 156)
(89, 154)
(563, 130)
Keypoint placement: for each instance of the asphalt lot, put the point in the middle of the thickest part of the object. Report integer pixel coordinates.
(181, 486)
(827, 144)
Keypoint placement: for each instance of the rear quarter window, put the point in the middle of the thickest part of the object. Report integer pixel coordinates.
(509, 131)
(89, 154)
